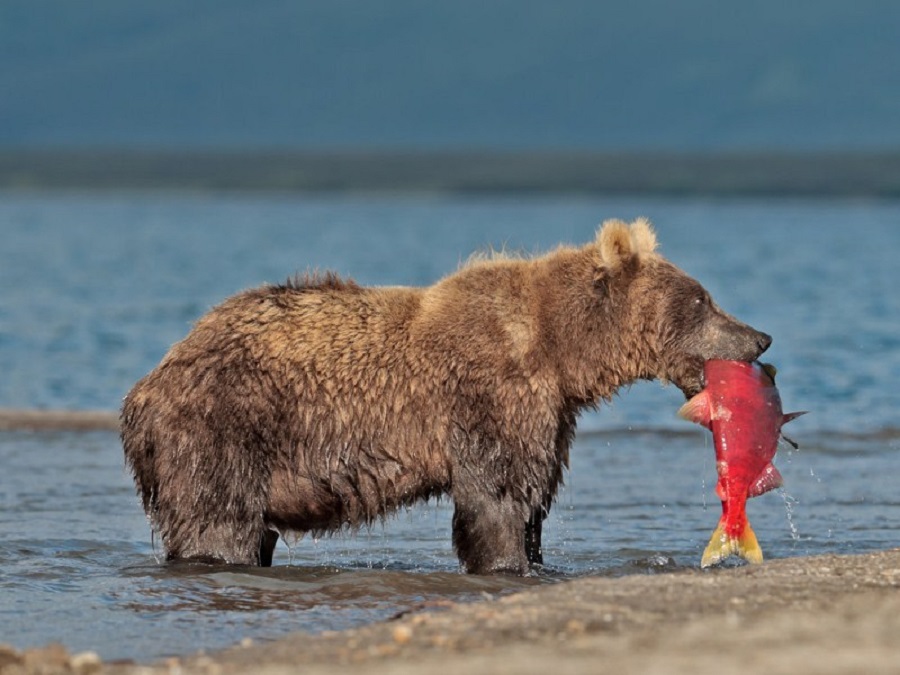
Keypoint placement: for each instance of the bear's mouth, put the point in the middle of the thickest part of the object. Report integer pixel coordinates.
(690, 391)
(691, 379)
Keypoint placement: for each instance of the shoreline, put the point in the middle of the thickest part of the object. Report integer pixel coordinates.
(824, 614)
(15, 419)
(455, 171)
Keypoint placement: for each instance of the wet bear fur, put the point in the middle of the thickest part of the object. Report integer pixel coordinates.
(320, 404)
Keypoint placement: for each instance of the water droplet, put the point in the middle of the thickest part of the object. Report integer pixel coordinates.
(290, 539)
(789, 503)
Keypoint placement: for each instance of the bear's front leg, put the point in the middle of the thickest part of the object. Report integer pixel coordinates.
(487, 535)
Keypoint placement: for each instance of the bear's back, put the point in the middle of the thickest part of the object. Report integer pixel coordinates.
(306, 319)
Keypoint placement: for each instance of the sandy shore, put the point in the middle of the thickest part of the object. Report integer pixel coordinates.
(825, 614)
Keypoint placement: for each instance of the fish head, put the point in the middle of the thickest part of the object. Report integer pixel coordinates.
(743, 380)
(730, 383)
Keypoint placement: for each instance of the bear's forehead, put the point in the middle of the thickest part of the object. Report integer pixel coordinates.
(671, 276)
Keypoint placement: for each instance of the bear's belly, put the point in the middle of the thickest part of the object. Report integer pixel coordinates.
(297, 505)
(300, 504)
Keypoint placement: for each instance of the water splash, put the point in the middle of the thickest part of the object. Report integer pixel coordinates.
(157, 556)
(789, 503)
(290, 538)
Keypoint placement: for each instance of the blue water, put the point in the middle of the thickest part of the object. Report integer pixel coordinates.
(96, 287)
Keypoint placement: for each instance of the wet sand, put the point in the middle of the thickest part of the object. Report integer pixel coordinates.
(824, 614)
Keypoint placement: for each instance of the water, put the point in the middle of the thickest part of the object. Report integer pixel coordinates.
(96, 287)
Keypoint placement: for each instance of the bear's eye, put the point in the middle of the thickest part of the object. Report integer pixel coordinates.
(701, 300)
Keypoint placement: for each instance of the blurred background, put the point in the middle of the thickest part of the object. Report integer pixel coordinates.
(575, 95)
(157, 157)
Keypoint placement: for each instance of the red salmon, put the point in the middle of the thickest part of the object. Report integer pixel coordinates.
(742, 408)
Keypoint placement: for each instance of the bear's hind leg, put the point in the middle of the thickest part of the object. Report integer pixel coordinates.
(267, 547)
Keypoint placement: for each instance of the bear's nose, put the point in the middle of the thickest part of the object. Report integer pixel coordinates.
(763, 342)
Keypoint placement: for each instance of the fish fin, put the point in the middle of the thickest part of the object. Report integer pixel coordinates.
(768, 479)
(697, 410)
(747, 546)
(792, 416)
(787, 418)
(718, 547)
(721, 546)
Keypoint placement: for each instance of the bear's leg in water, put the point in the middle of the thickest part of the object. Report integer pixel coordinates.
(487, 534)
(267, 547)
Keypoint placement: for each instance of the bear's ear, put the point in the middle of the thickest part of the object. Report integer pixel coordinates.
(643, 237)
(621, 244)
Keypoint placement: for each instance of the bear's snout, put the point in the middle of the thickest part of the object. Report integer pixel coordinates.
(755, 344)
(724, 337)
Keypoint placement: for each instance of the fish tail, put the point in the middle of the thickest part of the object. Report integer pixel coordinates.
(747, 546)
(721, 546)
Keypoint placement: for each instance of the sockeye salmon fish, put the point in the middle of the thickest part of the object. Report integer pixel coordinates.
(742, 408)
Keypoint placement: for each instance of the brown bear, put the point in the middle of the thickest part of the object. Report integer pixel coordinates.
(319, 404)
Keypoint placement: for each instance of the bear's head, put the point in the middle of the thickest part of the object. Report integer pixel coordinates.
(670, 322)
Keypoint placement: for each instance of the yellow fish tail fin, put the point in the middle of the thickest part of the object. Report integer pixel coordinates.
(718, 548)
(721, 546)
(747, 546)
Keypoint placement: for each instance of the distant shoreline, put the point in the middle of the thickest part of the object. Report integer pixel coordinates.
(58, 420)
(827, 174)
